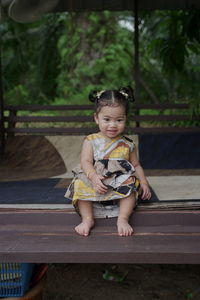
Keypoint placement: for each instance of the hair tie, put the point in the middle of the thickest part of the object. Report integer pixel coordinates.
(127, 92)
(98, 94)
(124, 94)
(94, 95)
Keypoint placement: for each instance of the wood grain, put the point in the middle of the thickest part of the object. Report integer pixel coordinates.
(45, 236)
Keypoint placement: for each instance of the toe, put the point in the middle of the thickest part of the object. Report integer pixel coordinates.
(77, 230)
(86, 232)
(121, 232)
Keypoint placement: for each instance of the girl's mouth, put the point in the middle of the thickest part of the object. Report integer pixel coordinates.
(112, 131)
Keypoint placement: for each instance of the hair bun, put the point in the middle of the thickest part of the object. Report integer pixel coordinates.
(92, 96)
(128, 93)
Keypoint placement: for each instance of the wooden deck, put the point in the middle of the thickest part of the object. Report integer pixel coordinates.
(47, 236)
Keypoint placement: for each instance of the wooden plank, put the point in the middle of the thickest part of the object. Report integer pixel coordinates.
(155, 118)
(48, 236)
(76, 119)
(161, 106)
(146, 118)
(33, 107)
(54, 130)
(176, 204)
(87, 130)
(165, 130)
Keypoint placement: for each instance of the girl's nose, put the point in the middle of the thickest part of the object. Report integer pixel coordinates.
(113, 124)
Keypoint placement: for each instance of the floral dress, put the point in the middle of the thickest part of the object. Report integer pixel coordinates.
(111, 160)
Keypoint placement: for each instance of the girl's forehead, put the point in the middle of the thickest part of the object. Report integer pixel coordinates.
(113, 110)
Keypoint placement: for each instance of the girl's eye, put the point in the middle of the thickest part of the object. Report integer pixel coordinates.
(106, 119)
(120, 120)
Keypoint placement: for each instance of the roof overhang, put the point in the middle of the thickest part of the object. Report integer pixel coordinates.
(120, 5)
(28, 11)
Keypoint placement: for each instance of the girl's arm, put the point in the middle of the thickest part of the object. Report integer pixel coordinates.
(141, 176)
(87, 157)
(88, 168)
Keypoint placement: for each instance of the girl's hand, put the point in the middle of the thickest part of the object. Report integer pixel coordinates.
(97, 184)
(146, 193)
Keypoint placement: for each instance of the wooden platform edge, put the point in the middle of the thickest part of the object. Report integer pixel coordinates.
(48, 236)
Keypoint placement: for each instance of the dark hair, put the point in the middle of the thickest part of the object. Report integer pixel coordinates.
(112, 98)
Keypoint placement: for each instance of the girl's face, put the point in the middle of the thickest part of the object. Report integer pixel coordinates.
(111, 120)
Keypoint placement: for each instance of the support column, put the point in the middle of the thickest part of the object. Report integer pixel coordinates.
(136, 58)
(2, 129)
(136, 47)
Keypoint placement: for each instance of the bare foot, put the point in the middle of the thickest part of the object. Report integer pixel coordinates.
(124, 228)
(84, 227)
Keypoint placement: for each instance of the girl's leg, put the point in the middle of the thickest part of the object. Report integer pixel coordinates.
(125, 209)
(86, 212)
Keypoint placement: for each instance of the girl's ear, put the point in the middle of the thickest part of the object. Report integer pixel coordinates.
(96, 118)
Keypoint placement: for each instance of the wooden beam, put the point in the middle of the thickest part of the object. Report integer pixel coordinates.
(81, 119)
(120, 5)
(37, 107)
(136, 51)
(48, 237)
(89, 130)
(2, 129)
(136, 58)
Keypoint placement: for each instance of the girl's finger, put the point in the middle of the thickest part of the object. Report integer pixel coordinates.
(100, 188)
(103, 190)
(100, 191)
(148, 196)
(103, 186)
(145, 196)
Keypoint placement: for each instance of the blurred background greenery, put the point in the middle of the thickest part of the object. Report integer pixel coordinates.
(61, 57)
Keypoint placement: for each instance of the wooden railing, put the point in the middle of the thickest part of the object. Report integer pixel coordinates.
(78, 119)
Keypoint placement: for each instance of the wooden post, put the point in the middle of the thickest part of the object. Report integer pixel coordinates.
(2, 129)
(11, 123)
(136, 57)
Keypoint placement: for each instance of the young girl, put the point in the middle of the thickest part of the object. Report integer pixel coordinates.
(105, 185)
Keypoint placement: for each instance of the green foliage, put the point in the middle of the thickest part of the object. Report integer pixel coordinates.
(170, 62)
(30, 60)
(179, 34)
(60, 58)
(19, 94)
(93, 56)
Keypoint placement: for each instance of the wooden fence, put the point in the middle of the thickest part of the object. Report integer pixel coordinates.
(78, 119)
